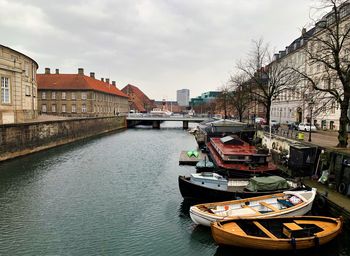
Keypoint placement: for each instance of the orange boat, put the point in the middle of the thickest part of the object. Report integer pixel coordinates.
(282, 233)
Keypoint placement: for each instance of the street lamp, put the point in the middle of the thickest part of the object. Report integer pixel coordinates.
(311, 104)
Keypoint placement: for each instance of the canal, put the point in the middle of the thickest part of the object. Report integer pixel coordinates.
(112, 195)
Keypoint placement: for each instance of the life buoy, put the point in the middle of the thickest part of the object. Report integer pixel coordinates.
(321, 202)
(342, 188)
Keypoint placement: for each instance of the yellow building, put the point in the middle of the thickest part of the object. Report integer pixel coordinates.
(18, 102)
(78, 95)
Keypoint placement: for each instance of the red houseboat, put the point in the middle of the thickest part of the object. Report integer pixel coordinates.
(234, 157)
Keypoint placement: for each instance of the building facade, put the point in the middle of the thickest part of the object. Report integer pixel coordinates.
(18, 91)
(183, 97)
(78, 95)
(302, 103)
(138, 100)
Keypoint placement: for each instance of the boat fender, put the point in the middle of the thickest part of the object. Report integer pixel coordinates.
(321, 202)
(293, 242)
(226, 207)
(317, 241)
(342, 188)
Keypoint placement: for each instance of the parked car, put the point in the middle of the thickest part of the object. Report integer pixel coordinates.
(306, 127)
(260, 120)
(274, 123)
(293, 126)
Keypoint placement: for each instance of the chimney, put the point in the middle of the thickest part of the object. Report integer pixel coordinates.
(113, 83)
(92, 74)
(57, 71)
(107, 80)
(303, 31)
(80, 71)
(102, 79)
(47, 70)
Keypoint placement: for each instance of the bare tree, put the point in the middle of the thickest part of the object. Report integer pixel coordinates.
(222, 101)
(239, 94)
(267, 78)
(328, 59)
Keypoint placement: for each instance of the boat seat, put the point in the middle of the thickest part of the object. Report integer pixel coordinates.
(251, 208)
(263, 229)
(273, 208)
(292, 229)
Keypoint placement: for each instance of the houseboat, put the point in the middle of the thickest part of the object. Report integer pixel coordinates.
(235, 157)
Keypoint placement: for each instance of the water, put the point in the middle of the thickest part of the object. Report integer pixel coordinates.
(112, 195)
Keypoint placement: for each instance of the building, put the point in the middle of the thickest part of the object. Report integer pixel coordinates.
(18, 86)
(78, 95)
(291, 104)
(138, 101)
(172, 106)
(183, 97)
(205, 103)
(302, 103)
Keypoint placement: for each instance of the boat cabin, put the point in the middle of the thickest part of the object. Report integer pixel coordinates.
(210, 180)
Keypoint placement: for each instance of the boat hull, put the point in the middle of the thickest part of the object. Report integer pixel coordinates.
(205, 218)
(238, 238)
(201, 218)
(200, 193)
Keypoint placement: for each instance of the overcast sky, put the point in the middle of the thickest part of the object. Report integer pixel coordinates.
(158, 45)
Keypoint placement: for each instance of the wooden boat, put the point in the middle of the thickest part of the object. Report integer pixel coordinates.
(235, 157)
(283, 233)
(288, 203)
(212, 187)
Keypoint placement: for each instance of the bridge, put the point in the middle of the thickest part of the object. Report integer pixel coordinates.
(154, 120)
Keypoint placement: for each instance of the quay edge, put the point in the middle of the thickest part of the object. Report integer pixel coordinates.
(25, 138)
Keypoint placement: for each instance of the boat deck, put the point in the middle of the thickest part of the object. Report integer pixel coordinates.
(186, 160)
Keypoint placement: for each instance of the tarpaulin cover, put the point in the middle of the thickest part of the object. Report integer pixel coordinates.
(267, 183)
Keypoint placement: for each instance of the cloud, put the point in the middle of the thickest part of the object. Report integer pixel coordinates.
(159, 45)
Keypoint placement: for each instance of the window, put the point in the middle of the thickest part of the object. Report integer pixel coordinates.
(27, 90)
(73, 96)
(5, 90)
(83, 108)
(43, 108)
(63, 108)
(74, 108)
(34, 91)
(26, 69)
(83, 96)
(333, 108)
(43, 95)
(63, 95)
(53, 108)
(53, 95)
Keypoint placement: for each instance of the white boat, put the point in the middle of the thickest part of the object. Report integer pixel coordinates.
(159, 112)
(288, 203)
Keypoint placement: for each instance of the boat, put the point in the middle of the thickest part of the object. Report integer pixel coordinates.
(220, 128)
(281, 233)
(235, 157)
(205, 166)
(288, 203)
(212, 187)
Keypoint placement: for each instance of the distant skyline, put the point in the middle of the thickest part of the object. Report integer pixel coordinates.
(159, 46)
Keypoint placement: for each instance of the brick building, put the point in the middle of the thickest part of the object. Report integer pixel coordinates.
(78, 95)
(139, 102)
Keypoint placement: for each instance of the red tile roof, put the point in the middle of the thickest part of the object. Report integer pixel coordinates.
(76, 82)
(138, 98)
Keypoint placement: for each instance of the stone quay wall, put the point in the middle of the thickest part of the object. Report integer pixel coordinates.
(26, 138)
